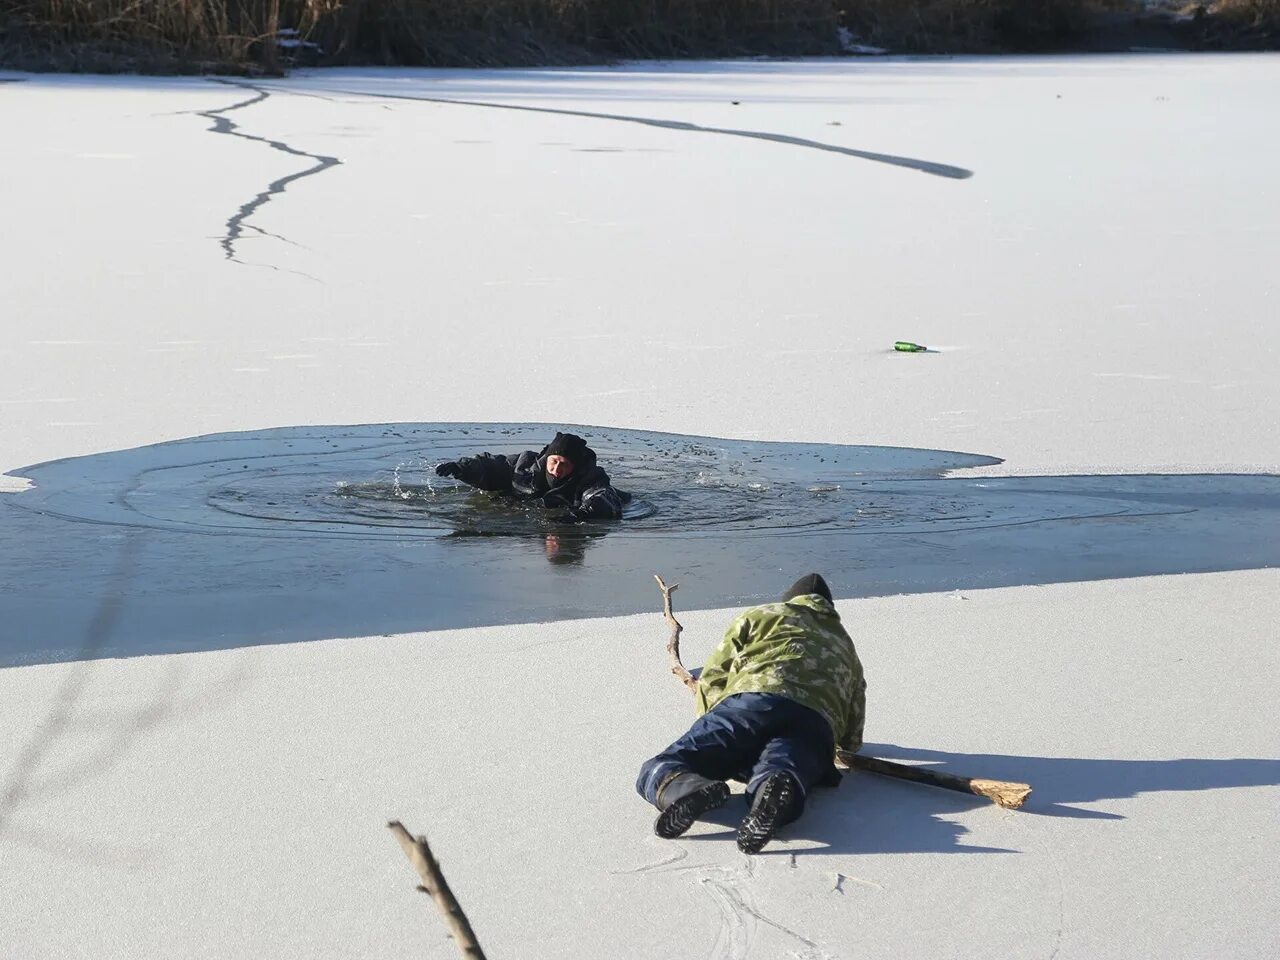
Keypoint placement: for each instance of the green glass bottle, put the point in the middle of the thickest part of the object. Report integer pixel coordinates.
(906, 346)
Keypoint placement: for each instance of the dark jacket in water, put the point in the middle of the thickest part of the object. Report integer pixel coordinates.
(584, 495)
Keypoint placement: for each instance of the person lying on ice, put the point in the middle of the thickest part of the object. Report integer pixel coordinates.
(780, 692)
(563, 475)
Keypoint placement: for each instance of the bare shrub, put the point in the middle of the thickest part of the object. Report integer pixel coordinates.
(222, 34)
(1257, 15)
(975, 25)
(149, 34)
(228, 35)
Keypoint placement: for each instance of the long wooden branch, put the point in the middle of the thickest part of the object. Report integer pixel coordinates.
(1006, 794)
(433, 882)
(673, 645)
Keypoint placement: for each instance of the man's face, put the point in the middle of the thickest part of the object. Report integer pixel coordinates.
(558, 466)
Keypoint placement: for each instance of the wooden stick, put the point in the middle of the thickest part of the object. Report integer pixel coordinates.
(673, 645)
(433, 882)
(1008, 795)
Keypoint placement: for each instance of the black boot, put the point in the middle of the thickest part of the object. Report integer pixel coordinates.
(772, 807)
(683, 799)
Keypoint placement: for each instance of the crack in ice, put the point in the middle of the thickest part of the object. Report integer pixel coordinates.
(238, 223)
(910, 163)
(739, 917)
(648, 867)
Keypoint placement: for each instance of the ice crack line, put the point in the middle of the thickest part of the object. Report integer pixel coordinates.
(238, 223)
(739, 917)
(911, 163)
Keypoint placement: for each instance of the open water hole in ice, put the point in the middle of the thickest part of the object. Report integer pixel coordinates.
(309, 532)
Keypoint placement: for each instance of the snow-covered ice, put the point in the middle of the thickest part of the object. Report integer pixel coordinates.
(717, 249)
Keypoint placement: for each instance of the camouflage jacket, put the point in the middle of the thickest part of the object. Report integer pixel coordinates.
(799, 650)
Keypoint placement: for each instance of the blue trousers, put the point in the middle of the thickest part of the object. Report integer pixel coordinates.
(748, 737)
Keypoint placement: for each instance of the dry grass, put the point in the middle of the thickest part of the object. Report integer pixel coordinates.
(547, 31)
(1254, 15)
(236, 35)
(222, 34)
(973, 25)
(146, 34)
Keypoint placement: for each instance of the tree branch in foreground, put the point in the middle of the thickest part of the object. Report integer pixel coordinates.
(1006, 794)
(433, 882)
(673, 645)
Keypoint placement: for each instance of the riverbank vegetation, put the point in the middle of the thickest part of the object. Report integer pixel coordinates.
(268, 36)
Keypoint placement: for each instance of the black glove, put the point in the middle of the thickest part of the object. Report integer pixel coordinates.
(572, 516)
(448, 469)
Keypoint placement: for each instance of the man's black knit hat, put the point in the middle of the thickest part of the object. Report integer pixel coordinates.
(568, 445)
(809, 583)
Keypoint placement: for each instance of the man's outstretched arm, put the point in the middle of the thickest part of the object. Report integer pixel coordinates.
(486, 471)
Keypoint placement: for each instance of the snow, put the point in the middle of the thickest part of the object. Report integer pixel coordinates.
(1092, 240)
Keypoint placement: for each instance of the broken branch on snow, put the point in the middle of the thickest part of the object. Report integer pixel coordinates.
(434, 883)
(1006, 794)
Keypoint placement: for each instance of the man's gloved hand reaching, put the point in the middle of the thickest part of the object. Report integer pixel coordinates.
(449, 468)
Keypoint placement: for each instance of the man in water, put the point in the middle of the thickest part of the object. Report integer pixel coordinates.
(782, 690)
(563, 475)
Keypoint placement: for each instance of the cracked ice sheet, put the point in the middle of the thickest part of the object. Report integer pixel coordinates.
(211, 783)
(1091, 240)
(1055, 279)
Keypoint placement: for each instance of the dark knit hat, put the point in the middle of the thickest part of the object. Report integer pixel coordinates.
(809, 583)
(568, 445)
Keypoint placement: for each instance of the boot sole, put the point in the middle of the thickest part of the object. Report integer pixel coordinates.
(759, 826)
(680, 816)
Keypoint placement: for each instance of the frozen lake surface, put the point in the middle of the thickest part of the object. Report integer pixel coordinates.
(201, 276)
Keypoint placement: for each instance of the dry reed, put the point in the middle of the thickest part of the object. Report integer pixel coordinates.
(1261, 16)
(240, 35)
